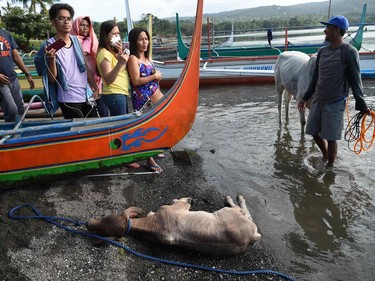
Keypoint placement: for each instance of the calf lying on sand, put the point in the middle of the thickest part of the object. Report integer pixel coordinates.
(227, 231)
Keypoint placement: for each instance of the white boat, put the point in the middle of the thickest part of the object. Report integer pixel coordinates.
(242, 70)
(219, 71)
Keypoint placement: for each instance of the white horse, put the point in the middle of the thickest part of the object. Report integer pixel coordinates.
(293, 73)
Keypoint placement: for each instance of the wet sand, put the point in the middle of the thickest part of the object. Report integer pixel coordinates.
(263, 168)
(36, 250)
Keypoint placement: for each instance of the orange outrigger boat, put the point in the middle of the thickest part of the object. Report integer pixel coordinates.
(56, 147)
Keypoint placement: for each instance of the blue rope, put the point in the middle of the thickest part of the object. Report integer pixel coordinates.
(56, 221)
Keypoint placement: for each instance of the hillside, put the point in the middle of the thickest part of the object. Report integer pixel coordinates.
(352, 9)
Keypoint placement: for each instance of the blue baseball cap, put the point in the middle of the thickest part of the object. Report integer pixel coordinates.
(339, 21)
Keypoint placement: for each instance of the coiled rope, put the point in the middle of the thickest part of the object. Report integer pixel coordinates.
(57, 221)
(360, 132)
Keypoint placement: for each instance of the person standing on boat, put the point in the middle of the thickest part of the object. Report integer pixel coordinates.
(329, 88)
(144, 78)
(269, 36)
(84, 30)
(11, 100)
(66, 80)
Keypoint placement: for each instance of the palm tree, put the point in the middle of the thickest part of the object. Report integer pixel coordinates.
(34, 3)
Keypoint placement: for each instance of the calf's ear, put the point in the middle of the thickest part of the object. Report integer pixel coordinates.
(134, 212)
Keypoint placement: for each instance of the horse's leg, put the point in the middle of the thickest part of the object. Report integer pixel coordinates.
(280, 93)
(302, 119)
(287, 99)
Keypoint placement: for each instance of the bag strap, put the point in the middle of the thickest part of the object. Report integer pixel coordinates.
(344, 54)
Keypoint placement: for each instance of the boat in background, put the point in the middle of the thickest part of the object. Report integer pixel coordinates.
(264, 50)
(225, 71)
(243, 70)
(33, 150)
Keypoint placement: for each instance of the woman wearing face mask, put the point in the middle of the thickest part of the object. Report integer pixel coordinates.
(111, 62)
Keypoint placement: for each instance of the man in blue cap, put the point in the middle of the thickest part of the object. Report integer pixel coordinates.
(330, 87)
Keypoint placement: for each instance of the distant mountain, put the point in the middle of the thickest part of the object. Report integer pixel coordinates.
(352, 9)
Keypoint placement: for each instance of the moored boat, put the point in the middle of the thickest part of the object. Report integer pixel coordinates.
(264, 50)
(223, 71)
(32, 150)
(243, 70)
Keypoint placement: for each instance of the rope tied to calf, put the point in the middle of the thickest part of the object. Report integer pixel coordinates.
(128, 227)
(59, 222)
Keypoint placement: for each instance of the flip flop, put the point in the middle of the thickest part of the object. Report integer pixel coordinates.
(153, 168)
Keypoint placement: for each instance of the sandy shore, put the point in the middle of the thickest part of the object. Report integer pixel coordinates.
(36, 250)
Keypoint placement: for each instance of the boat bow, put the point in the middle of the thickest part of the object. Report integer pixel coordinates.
(55, 147)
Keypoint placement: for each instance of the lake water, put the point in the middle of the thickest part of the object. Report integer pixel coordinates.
(318, 222)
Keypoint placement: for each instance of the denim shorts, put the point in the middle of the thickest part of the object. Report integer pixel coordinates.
(117, 104)
(326, 120)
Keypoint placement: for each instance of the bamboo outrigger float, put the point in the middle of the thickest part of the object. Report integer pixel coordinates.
(48, 148)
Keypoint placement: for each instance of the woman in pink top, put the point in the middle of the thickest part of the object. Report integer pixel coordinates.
(83, 29)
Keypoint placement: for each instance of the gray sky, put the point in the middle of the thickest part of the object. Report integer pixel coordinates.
(108, 9)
